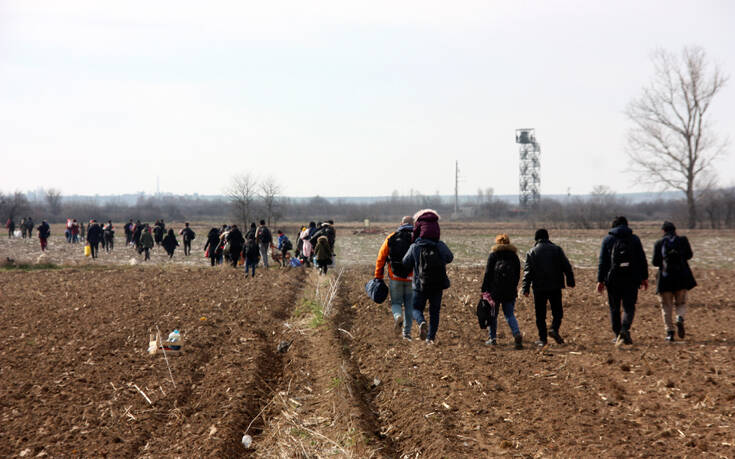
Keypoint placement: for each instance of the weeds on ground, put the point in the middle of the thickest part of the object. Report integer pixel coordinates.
(13, 266)
(308, 306)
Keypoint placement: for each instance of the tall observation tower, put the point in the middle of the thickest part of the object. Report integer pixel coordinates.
(530, 176)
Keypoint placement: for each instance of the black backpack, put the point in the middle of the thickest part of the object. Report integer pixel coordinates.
(672, 259)
(189, 234)
(398, 245)
(264, 235)
(484, 313)
(287, 245)
(432, 270)
(502, 274)
(621, 260)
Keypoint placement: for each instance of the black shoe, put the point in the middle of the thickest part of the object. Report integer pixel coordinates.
(670, 336)
(680, 327)
(518, 341)
(626, 337)
(554, 334)
(423, 329)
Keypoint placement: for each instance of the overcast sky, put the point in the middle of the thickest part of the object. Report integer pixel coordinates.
(336, 98)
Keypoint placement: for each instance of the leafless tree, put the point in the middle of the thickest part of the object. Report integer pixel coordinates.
(270, 193)
(12, 205)
(242, 195)
(53, 200)
(672, 141)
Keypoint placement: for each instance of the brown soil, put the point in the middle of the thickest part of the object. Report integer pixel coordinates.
(75, 345)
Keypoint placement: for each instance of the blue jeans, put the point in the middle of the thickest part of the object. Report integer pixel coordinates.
(508, 308)
(401, 294)
(250, 266)
(435, 304)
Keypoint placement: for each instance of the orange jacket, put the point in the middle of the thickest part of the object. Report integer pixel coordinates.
(383, 260)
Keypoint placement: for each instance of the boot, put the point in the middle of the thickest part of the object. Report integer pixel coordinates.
(680, 327)
(518, 341)
(670, 336)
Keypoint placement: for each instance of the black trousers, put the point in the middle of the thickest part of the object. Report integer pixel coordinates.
(540, 298)
(627, 297)
(187, 247)
(94, 248)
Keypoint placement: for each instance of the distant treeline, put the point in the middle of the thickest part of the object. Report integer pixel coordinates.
(716, 209)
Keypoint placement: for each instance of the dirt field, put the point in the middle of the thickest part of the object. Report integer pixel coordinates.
(74, 350)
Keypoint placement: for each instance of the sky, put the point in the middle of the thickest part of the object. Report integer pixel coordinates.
(335, 98)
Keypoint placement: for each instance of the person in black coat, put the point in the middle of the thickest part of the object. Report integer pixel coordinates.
(500, 287)
(671, 254)
(210, 248)
(622, 269)
(545, 269)
(236, 242)
(94, 237)
(170, 243)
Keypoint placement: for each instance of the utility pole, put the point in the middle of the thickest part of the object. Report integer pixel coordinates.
(456, 187)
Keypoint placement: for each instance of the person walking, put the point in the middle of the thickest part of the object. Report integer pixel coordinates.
(170, 243)
(622, 269)
(500, 287)
(251, 252)
(75, 232)
(137, 231)
(10, 225)
(44, 232)
(391, 253)
(94, 237)
(428, 257)
(146, 242)
(22, 228)
(108, 236)
(236, 241)
(323, 254)
(210, 247)
(29, 227)
(306, 247)
(128, 228)
(284, 245)
(187, 235)
(671, 254)
(545, 269)
(265, 241)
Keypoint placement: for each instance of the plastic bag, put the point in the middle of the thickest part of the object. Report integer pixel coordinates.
(87, 250)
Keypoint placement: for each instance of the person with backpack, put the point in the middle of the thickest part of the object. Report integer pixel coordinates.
(306, 246)
(622, 269)
(210, 247)
(284, 245)
(108, 236)
(146, 242)
(323, 254)
(265, 241)
(44, 232)
(137, 230)
(187, 235)
(545, 269)
(428, 256)
(158, 232)
(392, 251)
(671, 254)
(500, 287)
(94, 237)
(251, 252)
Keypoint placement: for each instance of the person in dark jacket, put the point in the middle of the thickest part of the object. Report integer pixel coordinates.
(158, 232)
(94, 237)
(671, 254)
(170, 243)
(236, 243)
(137, 230)
(146, 242)
(10, 225)
(44, 232)
(422, 291)
(500, 287)
(622, 276)
(128, 228)
(210, 247)
(108, 236)
(251, 252)
(29, 226)
(545, 269)
(323, 254)
(187, 235)
(265, 242)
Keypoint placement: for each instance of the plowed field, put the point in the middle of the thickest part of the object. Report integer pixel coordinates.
(76, 381)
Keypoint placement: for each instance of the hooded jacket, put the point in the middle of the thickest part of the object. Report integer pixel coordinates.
(426, 225)
(383, 258)
(94, 233)
(212, 242)
(322, 251)
(546, 267)
(146, 239)
(681, 280)
(413, 256)
(509, 290)
(169, 241)
(639, 265)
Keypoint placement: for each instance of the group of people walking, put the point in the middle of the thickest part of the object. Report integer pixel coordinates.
(25, 227)
(416, 259)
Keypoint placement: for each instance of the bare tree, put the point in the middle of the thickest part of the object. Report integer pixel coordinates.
(270, 192)
(672, 142)
(12, 205)
(242, 194)
(53, 200)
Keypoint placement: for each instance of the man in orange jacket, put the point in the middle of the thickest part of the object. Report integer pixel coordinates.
(391, 253)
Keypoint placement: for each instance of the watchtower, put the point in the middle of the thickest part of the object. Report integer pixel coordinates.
(530, 166)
